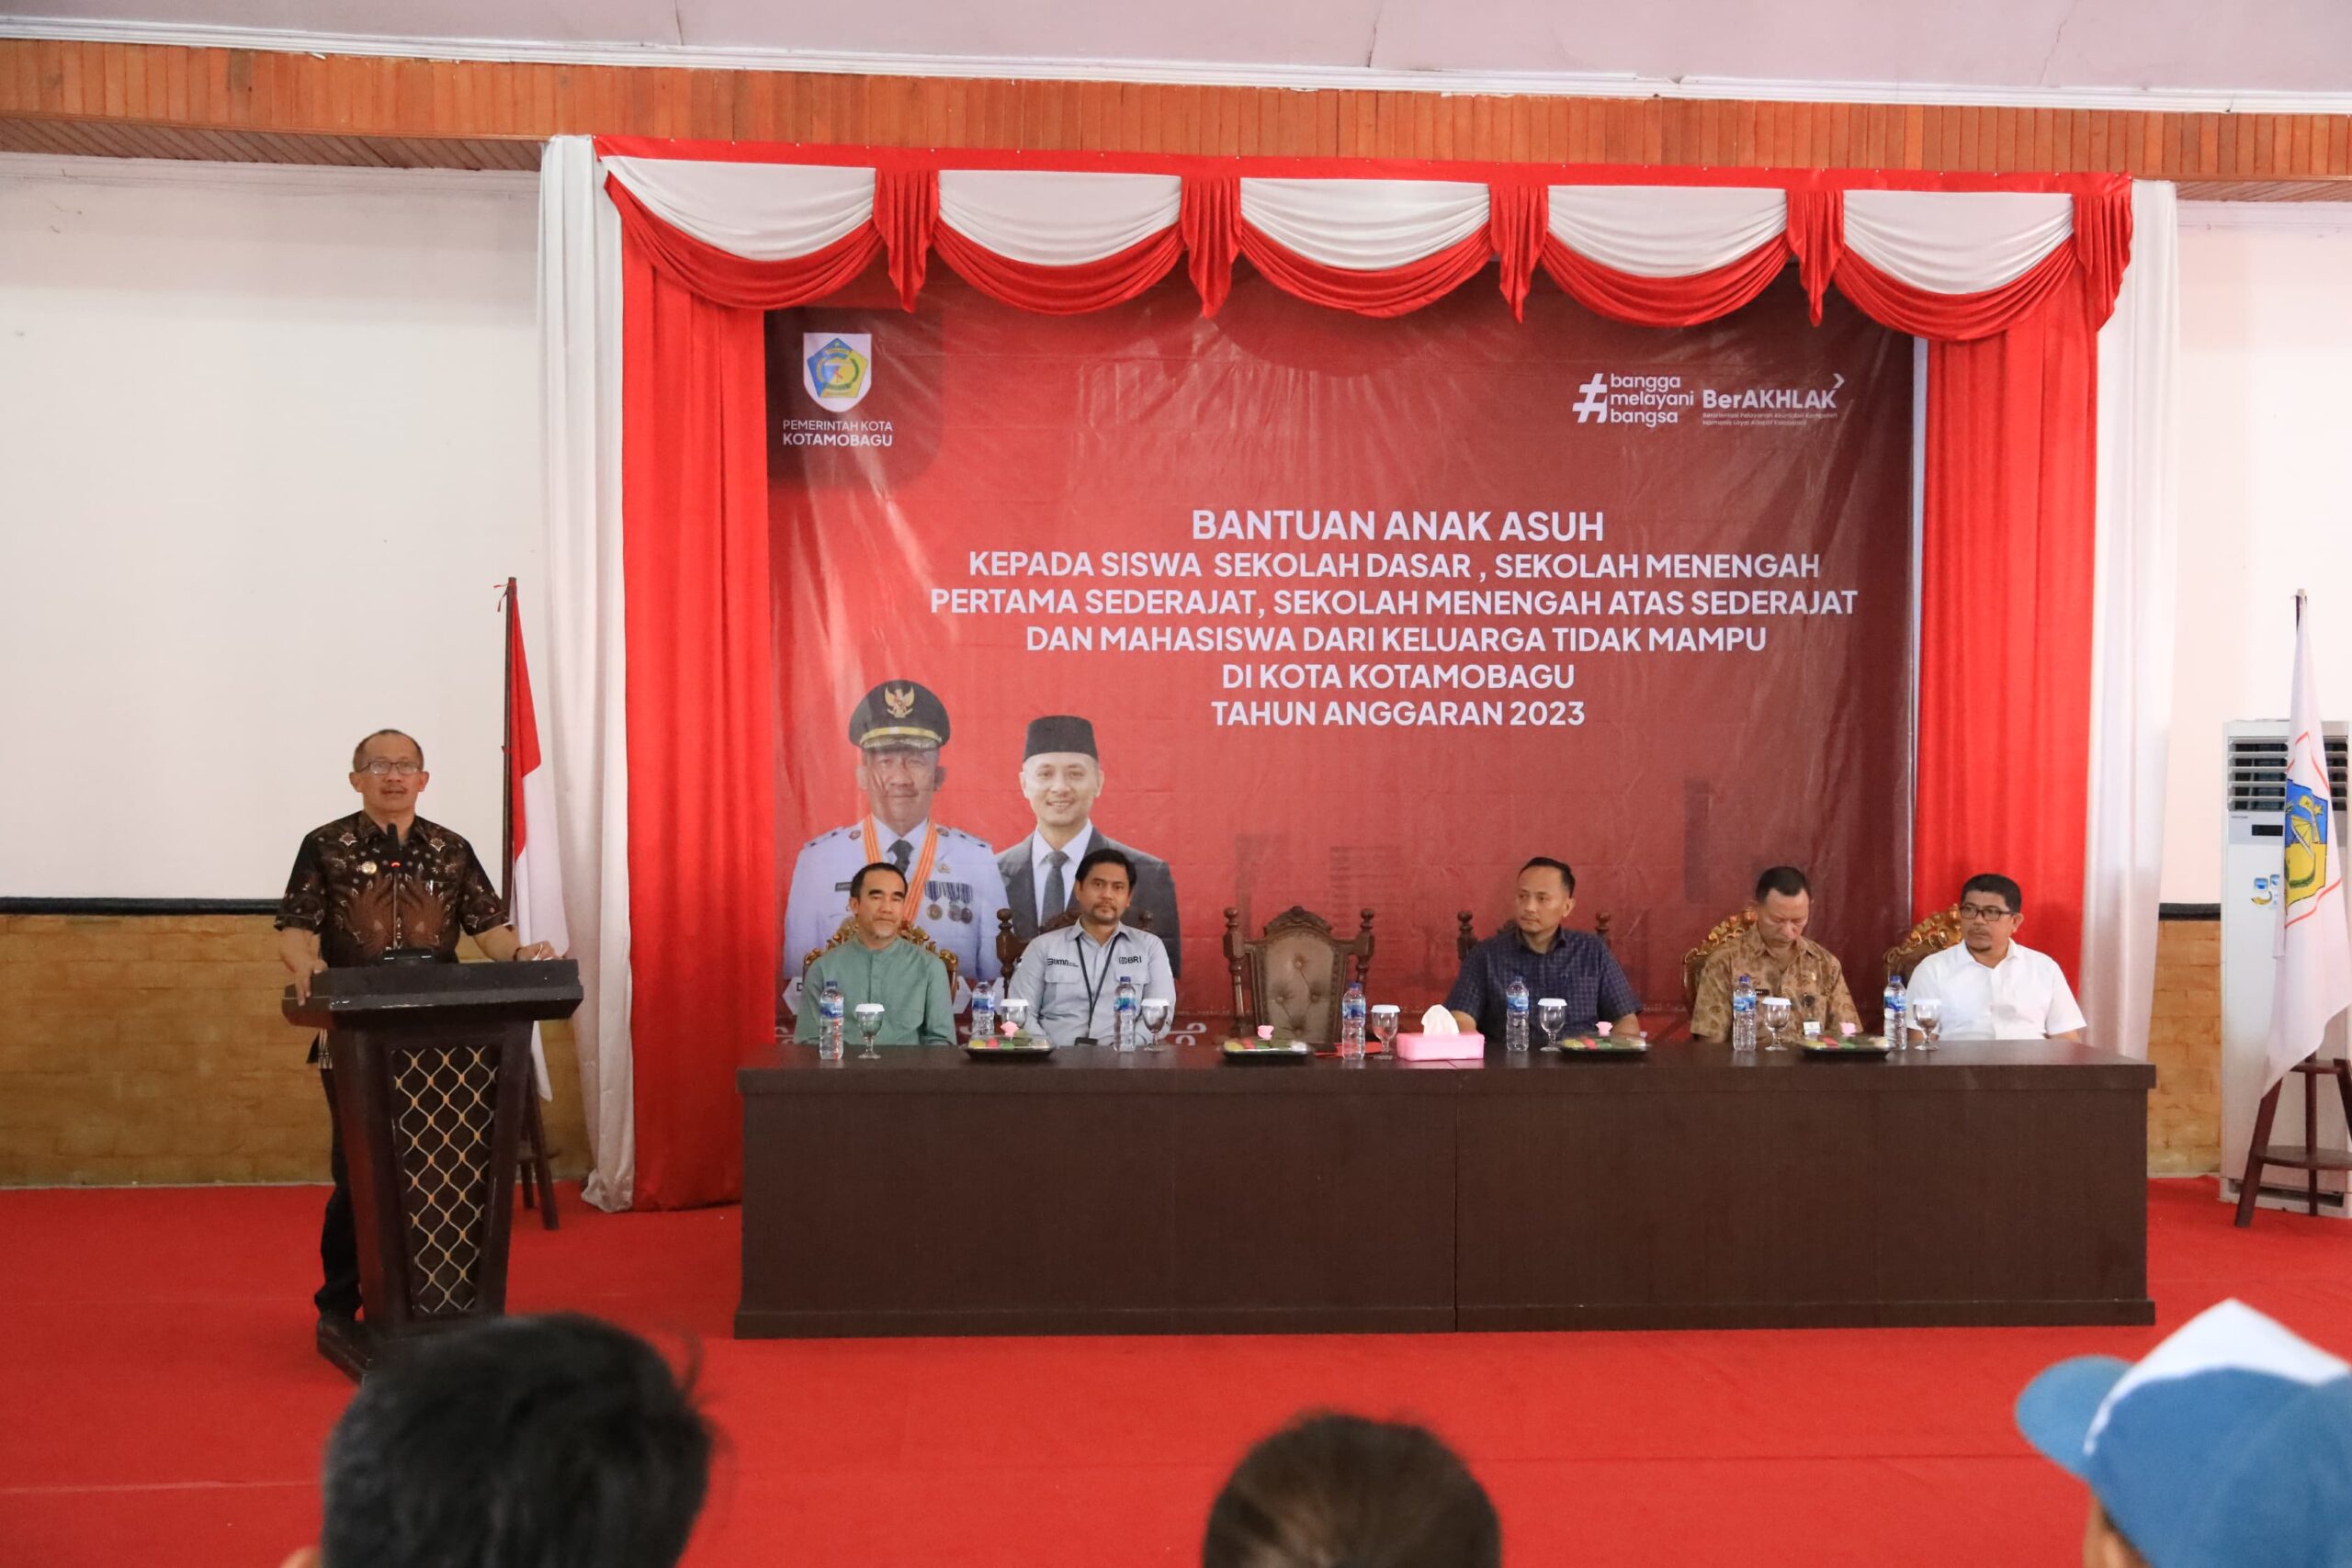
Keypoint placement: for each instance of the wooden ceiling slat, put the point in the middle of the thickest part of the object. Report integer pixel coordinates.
(166, 101)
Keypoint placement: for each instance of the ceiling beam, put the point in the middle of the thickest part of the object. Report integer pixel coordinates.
(170, 101)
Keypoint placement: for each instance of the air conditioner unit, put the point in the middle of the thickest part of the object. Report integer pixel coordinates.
(2253, 894)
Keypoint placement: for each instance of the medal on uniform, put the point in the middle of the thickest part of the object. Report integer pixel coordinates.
(920, 876)
(933, 910)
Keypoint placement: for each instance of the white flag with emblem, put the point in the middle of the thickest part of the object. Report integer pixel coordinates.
(2314, 975)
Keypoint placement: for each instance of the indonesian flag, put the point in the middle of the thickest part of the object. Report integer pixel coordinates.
(534, 877)
(2314, 976)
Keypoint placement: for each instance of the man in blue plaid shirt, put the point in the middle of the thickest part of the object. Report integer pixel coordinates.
(1574, 966)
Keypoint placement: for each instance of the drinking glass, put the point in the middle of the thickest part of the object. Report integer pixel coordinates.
(1773, 1013)
(1928, 1012)
(1154, 1015)
(1016, 1013)
(1384, 1028)
(869, 1024)
(1551, 1017)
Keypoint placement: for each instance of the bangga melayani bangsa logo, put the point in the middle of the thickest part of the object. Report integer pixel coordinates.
(836, 369)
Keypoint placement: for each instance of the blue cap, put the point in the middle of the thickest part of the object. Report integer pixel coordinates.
(2229, 1444)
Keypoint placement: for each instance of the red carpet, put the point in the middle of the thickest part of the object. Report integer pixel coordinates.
(162, 1405)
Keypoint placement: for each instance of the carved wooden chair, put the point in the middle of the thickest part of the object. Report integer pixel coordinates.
(1294, 974)
(1933, 934)
(1694, 962)
(1466, 936)
(1010, 947)
(916, 934)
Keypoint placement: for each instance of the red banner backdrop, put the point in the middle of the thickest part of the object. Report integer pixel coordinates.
(1364, 612)
(2008, 531)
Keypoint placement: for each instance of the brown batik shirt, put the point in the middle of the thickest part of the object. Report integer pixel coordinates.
(1811, 977)
(365, 891)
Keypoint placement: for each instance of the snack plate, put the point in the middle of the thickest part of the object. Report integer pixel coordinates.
(1262, 1050)
(1859, 1045)
(1594, 1046)
(1009, 1048)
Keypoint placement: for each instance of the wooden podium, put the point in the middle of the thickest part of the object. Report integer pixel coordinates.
(432, 1073)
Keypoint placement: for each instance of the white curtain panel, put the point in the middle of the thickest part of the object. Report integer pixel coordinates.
(1956, 242)
(1052, 218)
(2132, 635)
(758, 211)
(585, 736)
(1666, 230)
(1364, 225)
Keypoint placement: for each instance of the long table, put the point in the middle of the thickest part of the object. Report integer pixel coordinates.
(2000, 1182)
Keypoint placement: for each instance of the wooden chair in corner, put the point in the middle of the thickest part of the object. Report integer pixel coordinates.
(531, 1168)
(1294, 974)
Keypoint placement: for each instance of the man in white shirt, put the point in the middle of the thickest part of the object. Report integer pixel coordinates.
(1991, 985)
(1070, 977)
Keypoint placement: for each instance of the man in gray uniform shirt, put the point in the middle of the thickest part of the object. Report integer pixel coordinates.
(1070, 977)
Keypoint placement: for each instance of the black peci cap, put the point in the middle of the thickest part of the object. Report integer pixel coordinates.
(1060, 732)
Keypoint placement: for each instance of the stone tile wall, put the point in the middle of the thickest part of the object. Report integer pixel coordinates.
(149, 1048)
(2184, 1044)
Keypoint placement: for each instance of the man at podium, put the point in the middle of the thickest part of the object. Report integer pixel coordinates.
(382, 880)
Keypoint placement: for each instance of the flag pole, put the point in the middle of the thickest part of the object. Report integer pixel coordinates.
(506, 754)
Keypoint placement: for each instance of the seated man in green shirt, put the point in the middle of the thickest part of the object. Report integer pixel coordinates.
(876, 964)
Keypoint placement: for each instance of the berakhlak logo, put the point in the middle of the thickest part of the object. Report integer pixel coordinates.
(1594, 404)
(837, 368)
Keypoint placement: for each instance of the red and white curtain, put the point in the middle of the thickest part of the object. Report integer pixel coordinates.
(2047, 308)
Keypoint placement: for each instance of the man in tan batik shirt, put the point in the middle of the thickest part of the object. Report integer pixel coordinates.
(1774, 954)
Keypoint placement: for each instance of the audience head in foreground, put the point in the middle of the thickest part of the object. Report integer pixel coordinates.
(1330, 1489)
(2230, 1443)
(523, 1442)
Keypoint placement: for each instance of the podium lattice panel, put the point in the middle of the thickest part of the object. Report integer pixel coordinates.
(444, 1101)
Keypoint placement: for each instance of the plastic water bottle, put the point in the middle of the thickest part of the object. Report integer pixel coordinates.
(1743, 1015)
(1124, 1002)
(1897, 1010)
(1515, 1016)
(984, 1011)
(829, 1023)
(1352, 1014)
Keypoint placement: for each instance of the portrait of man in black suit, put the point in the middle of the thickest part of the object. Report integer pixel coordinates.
(1061, 777)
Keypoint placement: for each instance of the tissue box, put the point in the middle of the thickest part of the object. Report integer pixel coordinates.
(1440, 1047)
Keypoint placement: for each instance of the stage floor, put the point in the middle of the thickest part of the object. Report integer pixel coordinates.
(164, 1405)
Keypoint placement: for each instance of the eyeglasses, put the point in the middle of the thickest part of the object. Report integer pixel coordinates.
(401, 769)
(1984, 912)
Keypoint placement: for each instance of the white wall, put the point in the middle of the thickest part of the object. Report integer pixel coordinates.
(2266, 496)
(268, 445)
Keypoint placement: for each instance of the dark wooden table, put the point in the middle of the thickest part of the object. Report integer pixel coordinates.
(925, 1193)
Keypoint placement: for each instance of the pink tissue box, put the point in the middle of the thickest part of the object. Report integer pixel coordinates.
(1440, 1047)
